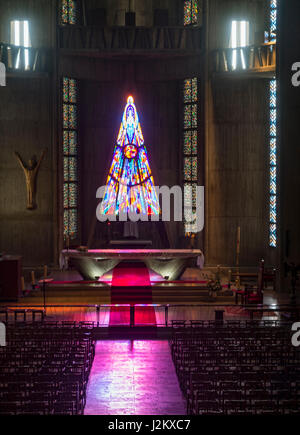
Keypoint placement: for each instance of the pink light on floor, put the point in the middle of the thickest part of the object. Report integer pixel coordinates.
(133, 378)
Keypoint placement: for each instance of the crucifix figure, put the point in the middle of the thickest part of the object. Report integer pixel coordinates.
(30, 172)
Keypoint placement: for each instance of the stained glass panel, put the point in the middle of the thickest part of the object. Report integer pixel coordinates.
(72, 91)
(70, 163)
(187, 118)
(69, 116)
(194, 12)
(130, 185)
(273, 116)
(73, 222)
(273, 129)
(194, 141)
(194, 168)
(66, 115)
(188, 195)
(187, 91)
(70, 142)
(64, 12)
(190, 12)
(72, 11)
(66, 195)
(73, 144)
(187, 142)
(66, 169)
(66, 89)
(187, 168)
(190, 143)
(72, 168)
(187, 11)
(69, 12)
(72, 116)
(194, 89)
(273, 208)
(273, 162)
(194, 115)
(73, 188)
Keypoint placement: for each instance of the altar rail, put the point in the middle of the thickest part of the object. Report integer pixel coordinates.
(130, 38)
(253, 58)
(20, 59)
(168, 315)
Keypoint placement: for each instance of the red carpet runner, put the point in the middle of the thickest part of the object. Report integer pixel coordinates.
(129, 275)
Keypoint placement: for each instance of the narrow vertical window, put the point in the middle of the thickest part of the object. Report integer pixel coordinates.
(190, 145)
(239, 37)
(273, 163)
(273, 101)
(70, 157)
(69, 12)
(190, 127)
(20, 36)
(190, 12)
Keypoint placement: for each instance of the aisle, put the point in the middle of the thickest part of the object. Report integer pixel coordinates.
(133, 377)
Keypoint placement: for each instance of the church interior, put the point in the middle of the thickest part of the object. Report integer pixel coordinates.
(149, 236)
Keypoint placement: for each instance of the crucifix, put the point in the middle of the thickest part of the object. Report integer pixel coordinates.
(30, 172)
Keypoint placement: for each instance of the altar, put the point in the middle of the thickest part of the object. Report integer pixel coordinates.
(92, 264)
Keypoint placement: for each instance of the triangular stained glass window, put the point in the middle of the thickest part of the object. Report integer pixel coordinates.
(130, 184)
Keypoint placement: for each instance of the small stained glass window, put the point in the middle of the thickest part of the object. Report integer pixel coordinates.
(69, 11)
(190, 12)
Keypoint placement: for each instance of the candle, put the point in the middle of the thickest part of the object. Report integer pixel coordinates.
(229, 275)
(238, 240)
(68, 242)
(32, 277)
(45, 271)
(22, 283)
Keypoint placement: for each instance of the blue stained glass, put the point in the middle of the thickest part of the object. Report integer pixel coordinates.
(273, 133)
(273, 99)
(273, 187)
(273, 116)
(273, 129)
(272, 236)
(273, 173)
(273, 158)
(273, 145)
(273, 210)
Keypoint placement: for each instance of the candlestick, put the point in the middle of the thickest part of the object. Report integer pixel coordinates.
(32, 277)
(68, 242)
(22, 283)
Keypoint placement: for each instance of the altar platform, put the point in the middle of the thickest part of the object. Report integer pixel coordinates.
(92, 264)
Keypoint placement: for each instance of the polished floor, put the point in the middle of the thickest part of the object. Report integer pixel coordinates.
(133, 377)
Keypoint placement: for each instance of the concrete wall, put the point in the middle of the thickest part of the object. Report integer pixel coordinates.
(40, 14)
(25, 126)
(289, 175)
(237, 172)
(116, 9)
